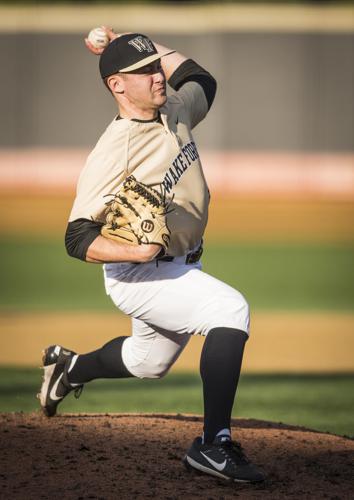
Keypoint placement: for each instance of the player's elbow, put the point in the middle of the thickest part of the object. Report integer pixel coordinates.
(72, 245)
(78, 237)
(211, 91)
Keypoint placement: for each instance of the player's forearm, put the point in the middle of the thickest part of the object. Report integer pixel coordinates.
(104, 250)
(179, 69)
(83, 241)
(190, 71)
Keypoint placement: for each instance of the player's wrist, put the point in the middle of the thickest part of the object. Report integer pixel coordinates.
(148, 252)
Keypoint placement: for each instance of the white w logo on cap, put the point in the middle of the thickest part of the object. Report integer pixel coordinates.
(141, 43)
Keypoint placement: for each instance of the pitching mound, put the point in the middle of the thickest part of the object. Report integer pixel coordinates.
(139, 456)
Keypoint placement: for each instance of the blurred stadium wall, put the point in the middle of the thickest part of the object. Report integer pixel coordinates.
(283, 117)
(281, 125)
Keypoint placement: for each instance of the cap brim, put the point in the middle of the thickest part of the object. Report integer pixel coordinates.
(146, 61)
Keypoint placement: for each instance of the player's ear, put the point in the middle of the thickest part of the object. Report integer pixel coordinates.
(115, 84)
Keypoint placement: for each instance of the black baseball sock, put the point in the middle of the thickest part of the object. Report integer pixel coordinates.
(220, 366)
(104, 363)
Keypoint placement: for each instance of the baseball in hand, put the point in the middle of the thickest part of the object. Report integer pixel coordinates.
(98, 38)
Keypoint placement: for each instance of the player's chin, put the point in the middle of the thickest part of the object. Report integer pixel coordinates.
(160, 99)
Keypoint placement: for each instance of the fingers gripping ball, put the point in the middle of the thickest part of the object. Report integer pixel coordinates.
(98, 38)
(136, 215)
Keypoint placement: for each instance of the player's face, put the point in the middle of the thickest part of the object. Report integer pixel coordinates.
(145, 87)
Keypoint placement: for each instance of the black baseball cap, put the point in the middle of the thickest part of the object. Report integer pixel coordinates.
(127, 53)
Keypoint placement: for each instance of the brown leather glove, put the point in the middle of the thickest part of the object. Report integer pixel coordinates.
(136, 215)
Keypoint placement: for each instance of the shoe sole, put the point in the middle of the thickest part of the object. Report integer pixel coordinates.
(193, 465)
(42, 395)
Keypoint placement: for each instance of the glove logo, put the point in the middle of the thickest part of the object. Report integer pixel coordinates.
(147, 226)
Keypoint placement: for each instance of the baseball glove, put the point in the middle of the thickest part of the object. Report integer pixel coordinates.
(136, 215)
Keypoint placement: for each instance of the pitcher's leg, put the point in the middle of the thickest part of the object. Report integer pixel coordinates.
(105, 362)
(150, 351)
(220, 367)
(186, 300)
(182, 299)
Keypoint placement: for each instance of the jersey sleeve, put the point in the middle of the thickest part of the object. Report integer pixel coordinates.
(195, 87)
(79, 235)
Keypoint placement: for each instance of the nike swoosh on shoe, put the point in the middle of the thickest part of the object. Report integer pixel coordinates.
(53, 392)
(217, 466)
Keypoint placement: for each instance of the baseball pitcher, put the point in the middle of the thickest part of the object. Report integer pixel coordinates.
(141, 210)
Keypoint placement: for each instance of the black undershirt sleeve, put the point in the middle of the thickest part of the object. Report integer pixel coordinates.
(190, 71)
(79, 235)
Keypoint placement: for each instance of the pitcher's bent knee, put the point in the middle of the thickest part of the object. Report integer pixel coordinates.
(230, 312)
(143, 370)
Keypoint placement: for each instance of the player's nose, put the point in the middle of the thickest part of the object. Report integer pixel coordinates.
(159, 75)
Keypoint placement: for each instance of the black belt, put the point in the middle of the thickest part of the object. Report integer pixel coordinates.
(191, 258)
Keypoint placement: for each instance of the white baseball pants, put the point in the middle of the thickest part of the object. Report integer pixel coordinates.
(169, 302)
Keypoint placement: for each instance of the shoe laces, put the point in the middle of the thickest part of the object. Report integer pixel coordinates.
(234, 451)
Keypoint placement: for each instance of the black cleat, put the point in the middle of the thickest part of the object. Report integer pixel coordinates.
(55, 385)
(223, 459)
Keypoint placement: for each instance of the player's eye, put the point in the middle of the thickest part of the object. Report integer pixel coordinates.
(149, 69)
(145, 70)
(154, 67)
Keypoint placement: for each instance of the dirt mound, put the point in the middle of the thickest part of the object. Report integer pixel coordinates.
(139, 456)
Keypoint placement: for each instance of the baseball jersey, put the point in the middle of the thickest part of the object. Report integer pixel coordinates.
(160, 153)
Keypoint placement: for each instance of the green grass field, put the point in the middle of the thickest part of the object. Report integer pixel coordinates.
(321, 402)
(38, 275)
